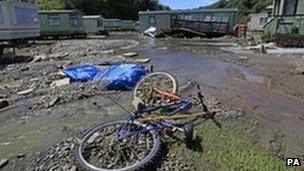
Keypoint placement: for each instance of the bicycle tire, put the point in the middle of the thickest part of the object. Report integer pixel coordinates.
(139, 165)
(175, 84)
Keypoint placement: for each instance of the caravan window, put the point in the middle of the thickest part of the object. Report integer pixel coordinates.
(25, 15)
(152, 20)
(54, 19)
(73, 20)
(208, 18)
(1, 16)
(263, 20)
(290, 7)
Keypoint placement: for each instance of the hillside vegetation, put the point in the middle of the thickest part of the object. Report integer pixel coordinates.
(245, 7)
(123, 9)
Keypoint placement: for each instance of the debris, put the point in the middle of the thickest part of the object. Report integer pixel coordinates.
(299, 71)
(5, 143)
(59, 55)
(286, 51)
(41, 57)
(3, 162)
(243, 59)
(3, 96)
(262, 47)
(24, 68)
(53, 101)
(137, 103)
(34, 79)
(25, 92)
(3, 103)
(142, 60)
(119, 77)
(21, 156)
(62, 82)
(151, 32)
(154, 32)
(130, 54)
(108, 51)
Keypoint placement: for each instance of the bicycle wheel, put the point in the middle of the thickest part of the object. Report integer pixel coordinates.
(160, 80)
(99, 149)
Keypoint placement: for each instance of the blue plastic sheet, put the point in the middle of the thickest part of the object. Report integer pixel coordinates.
(118, 77)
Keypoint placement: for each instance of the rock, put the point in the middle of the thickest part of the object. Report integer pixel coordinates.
(41, 57)
(299, 71)
(243, 59)
(34, 79)
(3, 163)
(143, 60)
(73, 168)
(130, 54)
(3, 103)
(59, 55)
(25, 92)
(62, 82)
(5, 143)
(108, 51)
(3, 96)
(21, 156)
(53, 101)
(24, 68)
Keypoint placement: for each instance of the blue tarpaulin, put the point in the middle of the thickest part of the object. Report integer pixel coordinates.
(118, 77)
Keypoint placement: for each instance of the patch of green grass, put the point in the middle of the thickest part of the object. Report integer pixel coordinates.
(38, 133)
(227, 149)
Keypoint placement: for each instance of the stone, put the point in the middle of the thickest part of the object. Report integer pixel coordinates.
(73, 168)
(25, 92)
(243, 59)
(3, 162)
(53, 101)
(108, 51)
(59, 55)
(3, 96)
(61, 82)
(5, 143)
(130, 54)
(34, 79)
(3, 103)
(24, 68)
(143, 60)
(21, 156)
(299, 71)
(41, 57)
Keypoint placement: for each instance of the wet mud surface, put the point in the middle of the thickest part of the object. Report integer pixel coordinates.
(263, 85)
(36, 127)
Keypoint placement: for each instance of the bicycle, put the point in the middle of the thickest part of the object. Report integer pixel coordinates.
(132, 144)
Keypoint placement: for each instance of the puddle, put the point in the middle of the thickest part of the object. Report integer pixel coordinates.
(251, 77)
(209, 72)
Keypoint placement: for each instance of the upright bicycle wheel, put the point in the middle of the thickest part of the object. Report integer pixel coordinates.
(160, 80)
(100, 150)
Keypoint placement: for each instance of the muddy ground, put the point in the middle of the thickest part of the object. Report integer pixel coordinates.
(38, 126)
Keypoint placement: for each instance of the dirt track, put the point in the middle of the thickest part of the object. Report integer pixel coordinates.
(267, 87)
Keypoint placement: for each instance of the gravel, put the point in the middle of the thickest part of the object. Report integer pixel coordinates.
(61, 156)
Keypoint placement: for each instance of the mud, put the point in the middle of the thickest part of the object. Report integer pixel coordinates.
(264, 87)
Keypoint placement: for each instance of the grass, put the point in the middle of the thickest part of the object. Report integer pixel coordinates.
(226, 149)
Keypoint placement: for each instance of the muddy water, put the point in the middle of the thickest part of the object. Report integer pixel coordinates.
(239, 86)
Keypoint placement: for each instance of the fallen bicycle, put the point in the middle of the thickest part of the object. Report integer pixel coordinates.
(132, 144)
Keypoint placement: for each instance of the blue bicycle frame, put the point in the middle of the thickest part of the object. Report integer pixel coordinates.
(182, 106)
